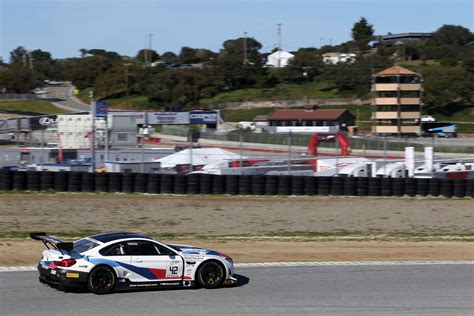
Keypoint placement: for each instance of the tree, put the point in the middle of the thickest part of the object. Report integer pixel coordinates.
(362, 33)
(17, 55)
(189, 55)
(170, 57)
(452, 35)
(152, 55)
(18, 79)
(39, 55)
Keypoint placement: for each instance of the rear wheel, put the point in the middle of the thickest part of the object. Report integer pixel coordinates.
(101, 280)
(211, 275)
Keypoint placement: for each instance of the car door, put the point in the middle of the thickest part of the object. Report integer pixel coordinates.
(154, 262)
(118, 256)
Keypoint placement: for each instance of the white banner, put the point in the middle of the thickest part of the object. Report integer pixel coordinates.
(429, 158)
(139, 116)
(410, 159)
(168, 118)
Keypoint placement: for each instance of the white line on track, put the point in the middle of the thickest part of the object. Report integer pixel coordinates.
(297, 264)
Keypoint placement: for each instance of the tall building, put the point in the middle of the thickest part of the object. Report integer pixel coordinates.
(396, 102)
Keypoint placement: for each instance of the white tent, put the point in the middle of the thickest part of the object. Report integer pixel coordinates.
(279, 59)
(200, 157)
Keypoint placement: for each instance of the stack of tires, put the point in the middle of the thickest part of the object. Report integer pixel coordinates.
(46, 180)
(141, 180)
(245, 187)
(349, 186)
(74, 181)
(153, 184)
(101, 182)
(128, 183)
(231, 184)
(386, 186)
(446, 187)
(166, 184)
(6, 180)
(337, 187)
(33, 180)
(19, 180)
(271, 185)
(459, 188)
(297, 185)
(258, 184)
(180, 181)
(115, 182)
(373, 188)
(88, 182)
(61, 181)
(205, 185)
(324, 185)
(362, 186)
(218, 184)
(470, 188)
(193, 183)
(434, 185)
(310, 185)
(423, 187)
(398, 186)
(410, 186)
(284, 185)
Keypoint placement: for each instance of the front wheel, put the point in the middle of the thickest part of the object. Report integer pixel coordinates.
(101, 280)
(211, 275)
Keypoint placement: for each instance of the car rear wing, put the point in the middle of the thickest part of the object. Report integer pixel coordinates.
(52, 241)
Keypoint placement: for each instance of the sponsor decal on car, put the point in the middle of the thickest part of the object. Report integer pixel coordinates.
(72, 275)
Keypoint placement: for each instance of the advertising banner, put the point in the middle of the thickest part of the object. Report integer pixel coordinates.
(101, 109)
(203, 117)
(168, 118)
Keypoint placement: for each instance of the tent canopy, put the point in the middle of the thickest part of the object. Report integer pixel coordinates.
(200, 157)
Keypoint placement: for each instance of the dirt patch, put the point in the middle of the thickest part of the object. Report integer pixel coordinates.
(25, 252)
(217, 215)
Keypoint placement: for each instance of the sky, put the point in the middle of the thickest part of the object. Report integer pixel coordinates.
(62, 27)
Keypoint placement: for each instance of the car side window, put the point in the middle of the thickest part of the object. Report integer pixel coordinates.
(143, 248)
(118, 249)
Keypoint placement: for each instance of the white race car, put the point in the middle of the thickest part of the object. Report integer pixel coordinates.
(120, 261)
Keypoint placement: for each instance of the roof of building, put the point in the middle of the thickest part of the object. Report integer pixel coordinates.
(396, 71)
(281, 54)
(260, 118)
(305, 115)
(406, 35)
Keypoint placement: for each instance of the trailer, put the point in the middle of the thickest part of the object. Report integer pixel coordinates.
(445, 130)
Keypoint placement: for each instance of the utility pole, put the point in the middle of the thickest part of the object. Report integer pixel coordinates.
(145, 51)
(149, 49)
(245, 49)
(279, 45)
(92, 136)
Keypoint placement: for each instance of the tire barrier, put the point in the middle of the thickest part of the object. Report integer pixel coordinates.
(167, 183)
(422, 187)
(446, 187)
(310, 185)
(284, 185)
(205, 185)
(218, 184)
(297, 185)
(74, 181)
(373, 187)
(410, 186)
(101, 183)
(180, 181)
(470, 188)
(60, 181)
(271, 185)
(245, 187)
(337, 187)
(47, 180)
(19, 180)
(362, 187)
(115, 182)
(193, 183)
(386, 187)
(459, 187)
(258, 184)
(233, 184)
(6, 180)
(141, 180)
(128, 182)
(33, 180)
(434, 187)
(88, 182)
(153, 185)
(324, 185)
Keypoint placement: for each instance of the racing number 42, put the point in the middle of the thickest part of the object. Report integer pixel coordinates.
(173, 270)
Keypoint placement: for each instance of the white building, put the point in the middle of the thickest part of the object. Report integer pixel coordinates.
(335, 58)
(279, 59)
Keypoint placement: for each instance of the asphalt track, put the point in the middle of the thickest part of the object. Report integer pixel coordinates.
(324, 290)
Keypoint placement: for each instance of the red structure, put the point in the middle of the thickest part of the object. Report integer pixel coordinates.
(341, 138)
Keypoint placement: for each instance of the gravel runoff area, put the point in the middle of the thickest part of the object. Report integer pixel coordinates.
(251, 229)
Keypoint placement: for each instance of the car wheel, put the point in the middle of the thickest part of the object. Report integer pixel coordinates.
(101, 280)
(210, 275)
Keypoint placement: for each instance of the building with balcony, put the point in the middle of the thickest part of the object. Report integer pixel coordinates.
(396, 102)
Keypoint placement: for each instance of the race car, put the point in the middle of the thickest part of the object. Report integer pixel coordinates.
(110, 262)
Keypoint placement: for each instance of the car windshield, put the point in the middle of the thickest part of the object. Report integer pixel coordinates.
(83, 245)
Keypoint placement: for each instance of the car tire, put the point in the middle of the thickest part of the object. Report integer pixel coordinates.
(101, 280)
(210, 275)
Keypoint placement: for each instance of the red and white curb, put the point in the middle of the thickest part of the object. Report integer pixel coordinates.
(297, 264)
